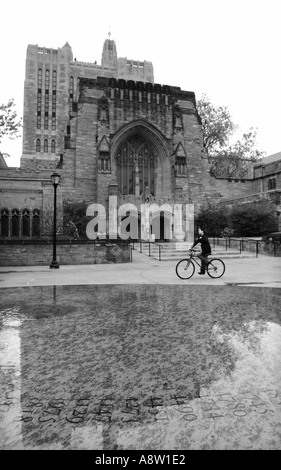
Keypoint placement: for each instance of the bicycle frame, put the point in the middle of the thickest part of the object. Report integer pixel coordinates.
(215, 267)
(194, 257)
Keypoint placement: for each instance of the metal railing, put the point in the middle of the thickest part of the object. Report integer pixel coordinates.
(143, 243)
(239, 243)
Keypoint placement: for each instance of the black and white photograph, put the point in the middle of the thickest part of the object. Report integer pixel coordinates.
(140, 230)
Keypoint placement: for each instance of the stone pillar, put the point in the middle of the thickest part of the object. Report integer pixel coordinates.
(9, 223)
(20, 223)
(30, 223)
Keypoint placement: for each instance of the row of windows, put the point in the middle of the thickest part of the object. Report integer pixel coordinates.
(47, 100)
(16, 223)
(45, 146)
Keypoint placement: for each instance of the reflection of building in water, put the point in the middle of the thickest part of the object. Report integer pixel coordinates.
(10, 379)
(73, 361)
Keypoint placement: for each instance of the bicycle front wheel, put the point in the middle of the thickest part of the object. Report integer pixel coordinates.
(216, 268)
(185, 269)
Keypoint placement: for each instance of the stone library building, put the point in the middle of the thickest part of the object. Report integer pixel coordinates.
(109, 130)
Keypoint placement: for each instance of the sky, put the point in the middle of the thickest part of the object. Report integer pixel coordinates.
(226, 49)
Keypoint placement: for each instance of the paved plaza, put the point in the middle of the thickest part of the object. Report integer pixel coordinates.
(130, 357)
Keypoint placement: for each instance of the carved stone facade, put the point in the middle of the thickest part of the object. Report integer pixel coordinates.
(109, 131)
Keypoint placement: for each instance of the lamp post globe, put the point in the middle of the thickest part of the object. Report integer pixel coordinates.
(55, 178)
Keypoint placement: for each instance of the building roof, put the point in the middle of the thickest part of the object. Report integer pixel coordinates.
(3, 163)
(271, 158)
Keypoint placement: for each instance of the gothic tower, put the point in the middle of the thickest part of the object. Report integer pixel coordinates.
(109, 53)
(50, 92)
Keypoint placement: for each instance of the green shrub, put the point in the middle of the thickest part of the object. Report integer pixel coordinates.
(253, 219)
(241, 220)
(213, 218)
(74, 219)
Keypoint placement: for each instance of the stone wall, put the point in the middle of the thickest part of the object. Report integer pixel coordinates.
(30, 253)
(265, 172)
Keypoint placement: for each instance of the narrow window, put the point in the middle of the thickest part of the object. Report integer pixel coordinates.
(45, 146)
(54, 99)
(53, 146)
(271, 184)
(39, 79)
(15, 223)
(25, 223)
(39, 99)
(104, 162)
(4, 223)
(180, 165)
(36, 223)
(47, 79)
(46, 115)
(38, 145)
(71, 92)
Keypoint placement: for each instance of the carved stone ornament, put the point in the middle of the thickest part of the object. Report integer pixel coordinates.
(103, 116)
(103, 145)
(178, 126)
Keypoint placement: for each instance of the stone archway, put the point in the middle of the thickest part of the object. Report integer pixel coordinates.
(140, 159)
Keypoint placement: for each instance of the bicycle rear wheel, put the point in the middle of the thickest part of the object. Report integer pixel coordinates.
(185, 269)
(216, 268)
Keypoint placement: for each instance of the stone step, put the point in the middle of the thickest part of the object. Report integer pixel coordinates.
(233, 256)
(172, 252)
(182, 252)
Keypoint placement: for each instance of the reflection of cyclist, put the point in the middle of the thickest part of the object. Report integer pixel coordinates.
(205, 247)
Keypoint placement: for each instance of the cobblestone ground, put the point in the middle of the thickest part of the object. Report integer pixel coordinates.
(140, 367)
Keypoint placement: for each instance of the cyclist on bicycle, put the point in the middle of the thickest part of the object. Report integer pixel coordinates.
(205, 249)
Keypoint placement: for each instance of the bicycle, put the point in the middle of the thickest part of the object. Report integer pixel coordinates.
(186, 267)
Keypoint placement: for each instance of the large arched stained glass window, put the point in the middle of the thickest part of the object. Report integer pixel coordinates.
(135, 160)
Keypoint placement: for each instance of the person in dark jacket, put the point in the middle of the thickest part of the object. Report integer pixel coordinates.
(205, 249)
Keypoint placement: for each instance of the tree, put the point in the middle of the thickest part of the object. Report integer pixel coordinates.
(48, 222)
(230, 160)
(253, 219)
(213, 218)
(74, 218)
(242, 220)
(217, 125)
(10, 124)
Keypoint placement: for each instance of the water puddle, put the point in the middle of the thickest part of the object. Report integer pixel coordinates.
(140, 367)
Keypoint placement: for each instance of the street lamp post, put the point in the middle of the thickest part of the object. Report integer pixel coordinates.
(55, 178)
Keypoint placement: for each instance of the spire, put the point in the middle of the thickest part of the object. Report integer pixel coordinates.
(109, 53)
(68, 50)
